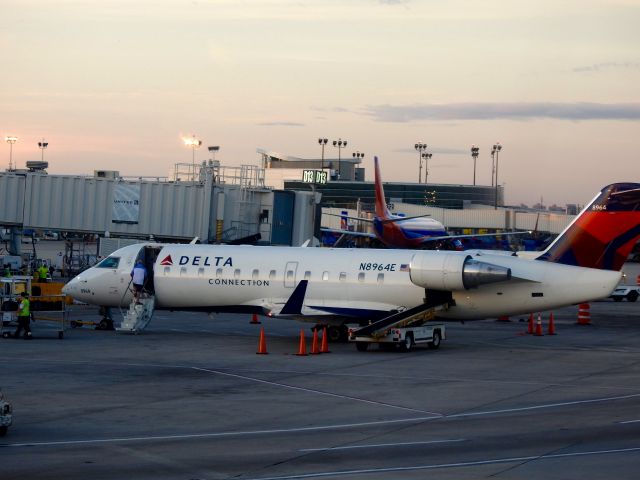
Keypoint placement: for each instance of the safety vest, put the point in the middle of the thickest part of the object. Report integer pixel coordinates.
(44, 271)
(24, 311)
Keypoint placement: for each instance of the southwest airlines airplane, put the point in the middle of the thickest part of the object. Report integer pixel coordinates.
(331, 286)
(404, 232)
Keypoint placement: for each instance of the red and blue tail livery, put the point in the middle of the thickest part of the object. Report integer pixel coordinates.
(604, 233)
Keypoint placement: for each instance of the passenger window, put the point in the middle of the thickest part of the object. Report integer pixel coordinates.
(183, 271)
(236, 273)
(167, 270)
(343, 277)
(201, 272)
(380, 278)
(255, 274)
(109, 262)
(325, 276)
(289, 274)
(219, 273)
(361, 277)
(272, 275)
(307, 275)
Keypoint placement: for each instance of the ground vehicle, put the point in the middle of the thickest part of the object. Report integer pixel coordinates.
(403, 337)
(630, 292)
(5, 415)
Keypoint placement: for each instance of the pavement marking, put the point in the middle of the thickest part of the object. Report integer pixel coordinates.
(217, 434)
(475, 463)
(319, 392)
(377, 445)
(314, 428)
(629, 421)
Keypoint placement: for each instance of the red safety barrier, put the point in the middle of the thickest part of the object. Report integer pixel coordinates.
(584, 314)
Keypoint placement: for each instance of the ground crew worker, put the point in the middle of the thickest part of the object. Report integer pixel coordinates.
(24, 317)
(138, 276)
(43, 271)
(7, 270)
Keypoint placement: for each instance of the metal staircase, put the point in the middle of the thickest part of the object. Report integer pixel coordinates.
(138, 316)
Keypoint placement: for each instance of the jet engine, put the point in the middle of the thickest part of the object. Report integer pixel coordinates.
(453, 271)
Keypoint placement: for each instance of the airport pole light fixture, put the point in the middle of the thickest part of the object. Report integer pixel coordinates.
(322, 142)
(426, 157)
(420, 147)
(339, 144)
(10, 139)
(193, 143)
(359, 155)
(213, 149)
(493, 164)
(42, 145)
(496, 148)
(474, 155)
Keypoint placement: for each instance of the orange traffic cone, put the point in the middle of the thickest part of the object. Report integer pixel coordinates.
(262, 344)
(314, 344)
(584, 314)
(302, 349)
(638, 280)
(254, 319)
(552, 327)
(530, 327)
(539, 326)
(324, 348)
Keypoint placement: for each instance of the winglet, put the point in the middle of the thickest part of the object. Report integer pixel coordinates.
(294, 304)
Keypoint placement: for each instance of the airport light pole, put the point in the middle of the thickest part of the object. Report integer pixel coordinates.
(420, 147)
(496, 149)
(11, 140)
(358, 155)
(193, 143)
(426, 157)
(213, 149)
(322, 142)
(42, 145)
(474, 154)
(339, 144)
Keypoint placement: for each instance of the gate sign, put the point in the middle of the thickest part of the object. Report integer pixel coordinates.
(314, 176)
(126, 203)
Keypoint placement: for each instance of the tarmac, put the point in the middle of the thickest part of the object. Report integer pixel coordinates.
(188, 398)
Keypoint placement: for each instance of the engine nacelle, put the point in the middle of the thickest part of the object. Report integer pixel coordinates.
(453, 271)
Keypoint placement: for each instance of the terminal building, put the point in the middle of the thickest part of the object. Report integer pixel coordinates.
(346, 185)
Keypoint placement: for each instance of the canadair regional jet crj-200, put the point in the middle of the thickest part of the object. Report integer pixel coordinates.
(331, 286)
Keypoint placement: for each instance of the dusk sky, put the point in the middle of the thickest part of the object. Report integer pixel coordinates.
(114, 85)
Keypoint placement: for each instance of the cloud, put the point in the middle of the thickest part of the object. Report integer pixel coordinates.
(281, 124)
(599, 67)
(513, 111)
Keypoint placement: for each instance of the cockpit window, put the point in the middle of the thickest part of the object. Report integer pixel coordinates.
(109, 262)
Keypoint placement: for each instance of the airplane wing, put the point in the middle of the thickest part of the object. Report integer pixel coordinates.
(347, 232)
(470, 235)
(360, 219)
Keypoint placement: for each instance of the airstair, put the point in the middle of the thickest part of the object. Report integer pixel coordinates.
(411, 317)
(138, 316)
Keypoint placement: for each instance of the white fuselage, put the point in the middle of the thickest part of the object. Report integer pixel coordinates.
(344, 282)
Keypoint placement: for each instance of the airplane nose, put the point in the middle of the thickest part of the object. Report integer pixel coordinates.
(72, 288)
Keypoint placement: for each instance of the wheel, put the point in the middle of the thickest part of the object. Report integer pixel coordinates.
(3, 431)
(407, 344)
(617, 299)
(337, 333)
(362, 346)
(437, 339)
(632, 296)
